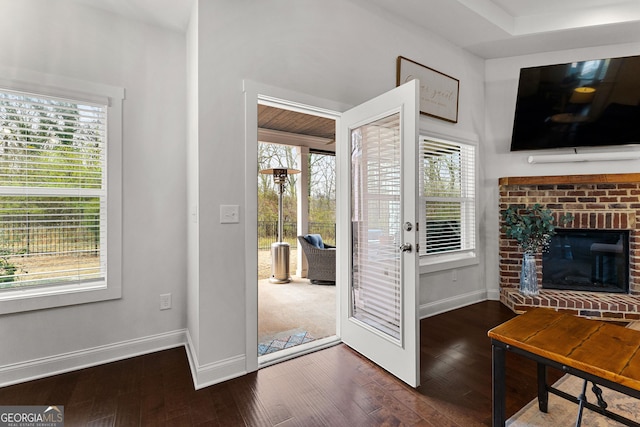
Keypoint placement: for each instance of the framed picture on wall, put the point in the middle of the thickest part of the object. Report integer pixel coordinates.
(438, 91)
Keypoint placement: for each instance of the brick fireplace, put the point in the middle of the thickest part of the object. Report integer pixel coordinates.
(602, 202)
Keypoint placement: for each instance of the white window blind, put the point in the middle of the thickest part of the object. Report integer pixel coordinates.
(52, 191)
(375, 213)
(448, 197)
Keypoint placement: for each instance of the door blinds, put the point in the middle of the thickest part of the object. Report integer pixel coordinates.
(375, 212)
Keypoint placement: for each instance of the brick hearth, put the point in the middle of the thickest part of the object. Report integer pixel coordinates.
(597, 305)
(604, 202)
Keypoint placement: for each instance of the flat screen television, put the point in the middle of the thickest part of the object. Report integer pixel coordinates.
(579, 104)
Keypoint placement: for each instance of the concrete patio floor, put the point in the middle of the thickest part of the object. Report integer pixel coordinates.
(293, 307)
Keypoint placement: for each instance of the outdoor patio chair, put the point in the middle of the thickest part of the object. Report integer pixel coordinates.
(321, 259)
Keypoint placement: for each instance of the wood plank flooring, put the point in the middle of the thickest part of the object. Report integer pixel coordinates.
(332, 387)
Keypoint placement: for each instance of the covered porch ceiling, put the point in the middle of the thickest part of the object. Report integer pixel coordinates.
(288, 127)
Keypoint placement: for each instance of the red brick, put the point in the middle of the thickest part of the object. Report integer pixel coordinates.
(612, 315)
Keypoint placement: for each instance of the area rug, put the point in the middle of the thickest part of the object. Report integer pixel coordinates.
(561, 412)
(285, 341)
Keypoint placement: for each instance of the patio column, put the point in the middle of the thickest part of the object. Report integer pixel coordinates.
(302, 188)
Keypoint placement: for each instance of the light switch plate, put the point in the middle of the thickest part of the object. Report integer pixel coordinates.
(229, 214)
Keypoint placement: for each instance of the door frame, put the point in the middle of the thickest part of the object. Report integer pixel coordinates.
(292, 100)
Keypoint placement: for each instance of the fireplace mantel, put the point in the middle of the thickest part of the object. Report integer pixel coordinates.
(599, 201)
(618, 178)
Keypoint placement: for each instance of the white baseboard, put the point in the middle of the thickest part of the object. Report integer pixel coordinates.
(493, 294)
(213, 373)
(61, 363)
(203, 375)
(448, 304)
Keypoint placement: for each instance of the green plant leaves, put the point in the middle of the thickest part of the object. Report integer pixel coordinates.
(531, 226)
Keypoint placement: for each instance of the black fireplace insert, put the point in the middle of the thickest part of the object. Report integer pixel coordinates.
(587, 260)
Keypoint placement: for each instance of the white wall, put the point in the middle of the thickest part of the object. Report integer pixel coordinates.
(64, 39)
(501, 88)
(332, 49)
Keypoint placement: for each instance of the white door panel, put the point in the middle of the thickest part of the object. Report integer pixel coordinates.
(378, 191)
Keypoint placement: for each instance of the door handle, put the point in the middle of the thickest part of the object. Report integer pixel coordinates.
(406, 247)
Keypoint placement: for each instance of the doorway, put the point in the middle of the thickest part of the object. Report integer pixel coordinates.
(398, 355)
(294, 314)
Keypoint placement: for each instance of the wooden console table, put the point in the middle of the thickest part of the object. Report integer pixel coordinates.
(599, 352)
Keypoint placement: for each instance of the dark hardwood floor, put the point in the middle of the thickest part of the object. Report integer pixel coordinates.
(332, 387)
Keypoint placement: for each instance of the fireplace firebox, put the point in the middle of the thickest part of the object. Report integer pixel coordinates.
(587, 260)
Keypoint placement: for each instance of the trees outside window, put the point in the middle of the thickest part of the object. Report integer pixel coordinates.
(52, 190)
(322, 194)
(448, 197)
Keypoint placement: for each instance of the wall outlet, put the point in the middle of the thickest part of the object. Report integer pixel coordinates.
(165, 301)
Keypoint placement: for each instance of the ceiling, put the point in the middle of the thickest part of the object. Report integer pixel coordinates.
(503, 28)
(282, 126)
(280, 120)
(487, 28)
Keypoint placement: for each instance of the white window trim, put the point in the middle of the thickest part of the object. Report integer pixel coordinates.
(463, 258)
(19, 300)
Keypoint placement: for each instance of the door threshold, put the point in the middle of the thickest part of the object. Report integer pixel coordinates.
(299, 350)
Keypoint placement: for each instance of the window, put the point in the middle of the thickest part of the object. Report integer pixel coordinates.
(56, 196)
(448, 200)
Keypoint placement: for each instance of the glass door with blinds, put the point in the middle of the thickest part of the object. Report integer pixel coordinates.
(378, 315)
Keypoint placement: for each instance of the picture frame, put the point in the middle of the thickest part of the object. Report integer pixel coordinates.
(439, 92)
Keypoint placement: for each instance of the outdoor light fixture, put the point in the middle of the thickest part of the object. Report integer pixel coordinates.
(280, 249)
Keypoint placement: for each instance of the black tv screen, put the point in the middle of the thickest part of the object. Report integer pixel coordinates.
(578, 104)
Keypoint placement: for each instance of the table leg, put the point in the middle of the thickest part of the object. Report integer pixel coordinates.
(498, 384)
(543, 392)
(582, 399)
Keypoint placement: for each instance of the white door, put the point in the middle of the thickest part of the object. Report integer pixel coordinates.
(378, 192)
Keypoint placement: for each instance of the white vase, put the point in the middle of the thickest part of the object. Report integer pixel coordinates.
(529, 275)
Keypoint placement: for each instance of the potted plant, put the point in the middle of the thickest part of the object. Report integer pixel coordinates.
(532, 227)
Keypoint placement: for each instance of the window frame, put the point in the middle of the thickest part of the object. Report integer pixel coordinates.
(37, 298)
(450, 260)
